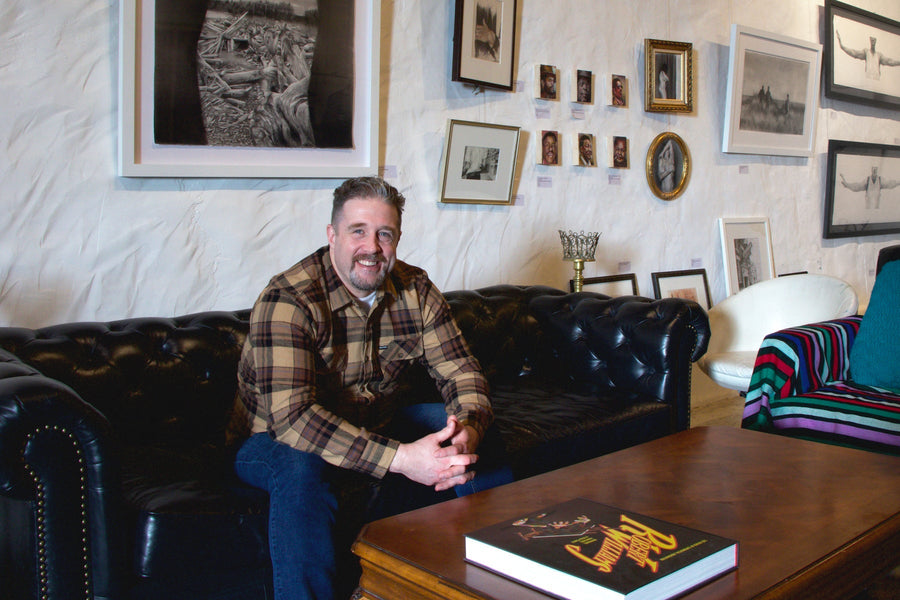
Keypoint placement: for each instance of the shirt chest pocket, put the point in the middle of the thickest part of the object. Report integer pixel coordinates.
(398, 353)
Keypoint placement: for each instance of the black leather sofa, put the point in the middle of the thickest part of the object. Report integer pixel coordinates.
(115, 472)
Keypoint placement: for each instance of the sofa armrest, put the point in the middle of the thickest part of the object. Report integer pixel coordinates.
(55, 458)
(796, 361)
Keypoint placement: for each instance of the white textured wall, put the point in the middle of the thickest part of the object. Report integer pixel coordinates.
(77, 242)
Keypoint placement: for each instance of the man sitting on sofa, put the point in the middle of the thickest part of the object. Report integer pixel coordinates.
(328, 340)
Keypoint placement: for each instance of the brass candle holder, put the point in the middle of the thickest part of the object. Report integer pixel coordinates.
(579, 248)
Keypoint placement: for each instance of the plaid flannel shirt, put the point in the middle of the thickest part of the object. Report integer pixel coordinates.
(319, 373)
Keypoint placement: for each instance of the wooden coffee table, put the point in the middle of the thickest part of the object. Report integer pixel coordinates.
(813, 520)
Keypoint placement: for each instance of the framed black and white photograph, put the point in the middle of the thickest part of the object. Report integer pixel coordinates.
(746, 252)
(484, 42)
(772, 94)
(546, 82)
(690, 284)
(585, 150)
(548, 148)
(862, 56)
(618, 91)
(668, 166)
(623, 284)
(862, 196)
(479, 163)
(668, 76)
(209, 91)
(582, 86)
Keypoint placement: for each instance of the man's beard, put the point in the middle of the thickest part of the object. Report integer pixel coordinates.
(368, 285)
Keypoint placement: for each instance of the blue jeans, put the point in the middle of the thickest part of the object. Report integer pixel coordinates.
(303, 505)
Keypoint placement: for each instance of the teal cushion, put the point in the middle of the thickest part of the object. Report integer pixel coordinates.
(875, 354)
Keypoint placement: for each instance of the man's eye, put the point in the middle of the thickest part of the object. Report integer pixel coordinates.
(387, 236)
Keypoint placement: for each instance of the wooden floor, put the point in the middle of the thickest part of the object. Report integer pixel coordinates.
(712, 404)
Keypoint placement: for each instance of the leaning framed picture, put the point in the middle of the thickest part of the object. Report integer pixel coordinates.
(746, 252)
(862, 56)
(772, 94)
(202, 94)
(690, 284)
(668, 76)
(479, 163)
(623, 284)
(484, 41)
(862, 195)
(668, 166)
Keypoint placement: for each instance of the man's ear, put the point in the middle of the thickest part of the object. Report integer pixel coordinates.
(329, 231)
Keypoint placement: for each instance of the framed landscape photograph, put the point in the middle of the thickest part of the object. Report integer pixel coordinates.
(746, 252)
(690, 284)
(484, 42)
(668, 76)
(206, 108)
(479, 163)
(862, 56)
(668, 166)
(624, 284)
(772, 94)
(862, 196)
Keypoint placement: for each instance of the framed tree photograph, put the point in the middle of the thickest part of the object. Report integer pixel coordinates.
(623, 284)
(690, 284)
(484, 42)
(746, 252)
(668, 166)
(479, 163)
(229, 90)
(862, 56)
(862, 196)
(668, 76)
(585, 150)
(772, 94)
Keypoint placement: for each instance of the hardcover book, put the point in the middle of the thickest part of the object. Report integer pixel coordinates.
(581, 549)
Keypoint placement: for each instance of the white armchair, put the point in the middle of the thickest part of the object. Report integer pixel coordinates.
(739, 323)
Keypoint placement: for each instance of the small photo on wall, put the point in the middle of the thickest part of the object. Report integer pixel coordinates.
(548, 150)
(618, 86)
(547, 79)
(618, 152)
(583, 88)
(585, 151)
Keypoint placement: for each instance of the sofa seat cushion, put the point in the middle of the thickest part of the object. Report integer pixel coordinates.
(875, 355)
(179, 500)
(547, 426)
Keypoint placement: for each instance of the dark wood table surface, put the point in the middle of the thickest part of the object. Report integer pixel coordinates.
(812, 520)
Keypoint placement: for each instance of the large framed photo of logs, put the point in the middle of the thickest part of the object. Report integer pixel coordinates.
(236, 88)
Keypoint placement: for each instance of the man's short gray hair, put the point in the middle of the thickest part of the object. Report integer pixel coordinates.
(367, 187)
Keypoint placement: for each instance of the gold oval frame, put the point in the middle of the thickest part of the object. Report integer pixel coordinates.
(683, 174)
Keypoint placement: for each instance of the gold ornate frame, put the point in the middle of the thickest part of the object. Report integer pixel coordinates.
(678, 54)
(681, 163)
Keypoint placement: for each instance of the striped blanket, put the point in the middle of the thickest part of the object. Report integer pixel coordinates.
(801, 387)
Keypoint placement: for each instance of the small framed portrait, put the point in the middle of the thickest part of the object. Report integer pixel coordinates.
(690, 284)
(547, 82)
(484, 41)
(479, 163)
(668, 76)
(862, 56)
(623, 284)
(862, 196)
(746, 252)
(618, 152)
(668, 166)
(548, 148)
(583, 86)
(618, 91)
(585, 151)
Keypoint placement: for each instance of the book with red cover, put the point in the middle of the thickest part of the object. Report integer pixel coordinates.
(581, 549)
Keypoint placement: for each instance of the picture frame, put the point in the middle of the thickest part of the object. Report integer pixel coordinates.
(746, 252)
(549, 144)
(585, 151)
(668, 166)
(479, 163)
(546, 82)
(772, 94)
(690, 284)
(484, 42)
(853, 70)
(668, 76)
(161, 124)
(862, 195)
(618, 91)
(583, 86)
(623, 284)
(618, 152)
